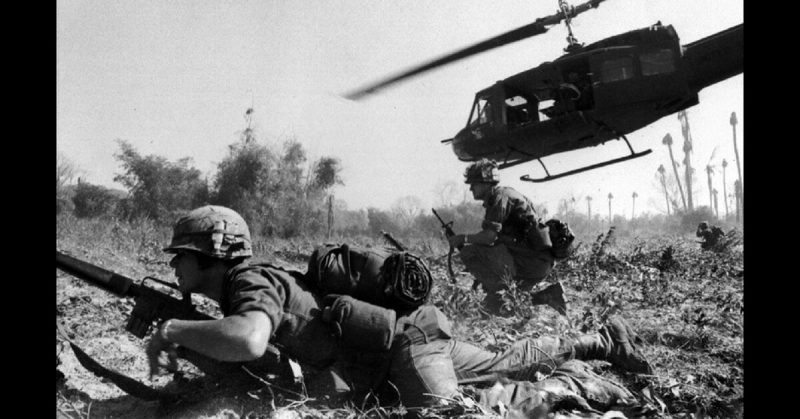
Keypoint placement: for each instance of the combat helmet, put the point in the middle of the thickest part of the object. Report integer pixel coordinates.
(482, 171)
(703, 225)
(215, 231)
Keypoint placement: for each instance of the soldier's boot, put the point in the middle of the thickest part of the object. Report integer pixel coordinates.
(615, 342)
(552, 296)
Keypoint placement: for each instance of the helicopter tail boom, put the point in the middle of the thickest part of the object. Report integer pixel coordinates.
(715, 57)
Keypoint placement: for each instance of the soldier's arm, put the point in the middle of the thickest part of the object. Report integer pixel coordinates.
(237, 338)
(484, 237)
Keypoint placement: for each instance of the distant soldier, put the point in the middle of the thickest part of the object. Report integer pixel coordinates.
(710, 235)
(348, 346)
(512, 242)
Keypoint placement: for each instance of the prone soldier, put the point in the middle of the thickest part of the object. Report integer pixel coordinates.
(395, 344)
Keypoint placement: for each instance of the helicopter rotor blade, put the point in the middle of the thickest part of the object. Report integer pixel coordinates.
(539, 26)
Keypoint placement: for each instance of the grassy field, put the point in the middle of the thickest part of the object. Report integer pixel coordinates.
(686, 304)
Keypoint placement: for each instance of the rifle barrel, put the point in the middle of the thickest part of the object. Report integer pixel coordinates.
(103, 278)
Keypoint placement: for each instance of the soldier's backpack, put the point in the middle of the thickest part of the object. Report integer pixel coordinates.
(386, 278)
(562, 237)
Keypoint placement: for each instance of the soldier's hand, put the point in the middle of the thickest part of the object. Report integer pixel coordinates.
(456, 240)
(161, 354)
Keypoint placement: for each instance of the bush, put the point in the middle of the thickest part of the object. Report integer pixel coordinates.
(159, 189)
(94, 201)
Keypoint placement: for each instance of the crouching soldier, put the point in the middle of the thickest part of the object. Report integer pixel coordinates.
(513, 242)
(347, 346)
(710, 235)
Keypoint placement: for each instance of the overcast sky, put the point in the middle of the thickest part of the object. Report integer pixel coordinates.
(174, 78)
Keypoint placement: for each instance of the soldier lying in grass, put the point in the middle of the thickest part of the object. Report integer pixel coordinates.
(394, 345)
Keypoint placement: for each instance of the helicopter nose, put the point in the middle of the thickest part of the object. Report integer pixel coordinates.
(459, 146)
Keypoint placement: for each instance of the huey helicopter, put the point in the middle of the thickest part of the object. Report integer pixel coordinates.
(592, 94)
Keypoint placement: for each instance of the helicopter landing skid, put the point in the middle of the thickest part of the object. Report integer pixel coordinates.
(633, 155)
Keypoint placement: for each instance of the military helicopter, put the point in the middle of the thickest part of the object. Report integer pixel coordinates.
(592, 94)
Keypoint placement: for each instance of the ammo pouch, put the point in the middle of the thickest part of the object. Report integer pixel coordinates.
(359, 325)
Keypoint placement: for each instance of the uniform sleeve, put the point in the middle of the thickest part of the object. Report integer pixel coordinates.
(495, 213)
(257, 290)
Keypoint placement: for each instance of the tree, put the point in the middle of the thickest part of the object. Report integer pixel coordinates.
(716, 208)
(687, 160)
(610, 197)
(94, 201)
(724, 187)
(448, 193)
(66, 171)
(633, 208)
(589, 207)
(740, 190)
(709, 173)
(406, 209)
(668, 142)
(661, 172)
(158, 188)
(326, 173)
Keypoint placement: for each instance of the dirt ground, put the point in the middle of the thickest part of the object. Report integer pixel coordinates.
(686, 304)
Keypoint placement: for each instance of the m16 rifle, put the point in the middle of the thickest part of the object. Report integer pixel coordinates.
(389, 238)
(448, 232)
(151, 306)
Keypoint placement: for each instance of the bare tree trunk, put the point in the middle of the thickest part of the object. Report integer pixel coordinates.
(687, 160)
(716, 208)
(724, 188)
(740, 207)
(668, 141)
(589, 205)
(666, 194)
(710, 187)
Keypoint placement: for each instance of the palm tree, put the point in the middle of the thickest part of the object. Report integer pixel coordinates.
(633, 208)
(724, 187)
(661, 171)
(668, 142)
(709, 172)
(589, 207)
(716, 208)
(610, 197)
(740, 191)
(687, 160)
(737, 192)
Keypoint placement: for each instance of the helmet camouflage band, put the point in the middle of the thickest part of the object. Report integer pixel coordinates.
(215, 231)
(482, 171)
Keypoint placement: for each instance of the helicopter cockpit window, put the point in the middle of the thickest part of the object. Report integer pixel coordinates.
(657, 62)
(616, 69)
(517, 111)
(481, 112)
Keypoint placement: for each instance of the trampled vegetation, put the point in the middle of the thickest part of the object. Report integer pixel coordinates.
(687, 304)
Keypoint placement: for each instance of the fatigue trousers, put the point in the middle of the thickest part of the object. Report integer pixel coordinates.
(420, 366)
(491, 264)
(572, 381)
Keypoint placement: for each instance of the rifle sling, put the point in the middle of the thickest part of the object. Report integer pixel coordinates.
(450, 265)
(125, 383)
